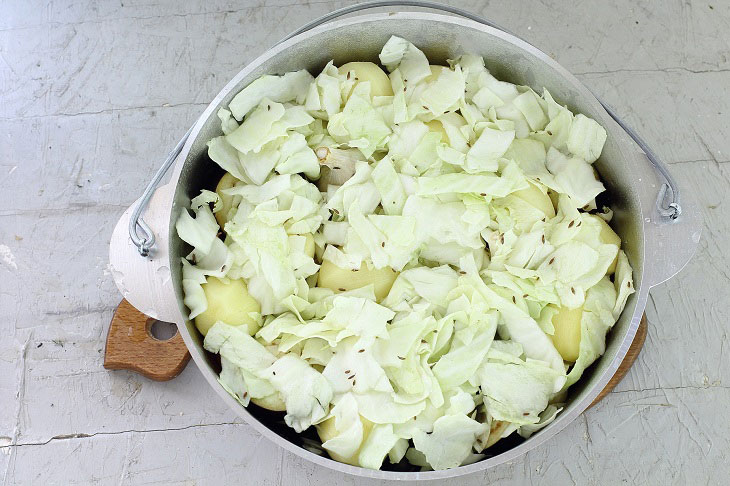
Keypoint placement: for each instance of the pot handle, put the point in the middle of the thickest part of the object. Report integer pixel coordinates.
(669, 242)
(146, 282)
(146, 241)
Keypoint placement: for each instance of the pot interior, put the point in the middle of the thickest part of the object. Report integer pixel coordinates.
(360, 39)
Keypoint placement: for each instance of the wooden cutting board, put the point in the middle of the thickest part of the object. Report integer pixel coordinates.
(130, 345)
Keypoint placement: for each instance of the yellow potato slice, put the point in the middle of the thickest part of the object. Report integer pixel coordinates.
(230, 302)
(327, 431)
(608, 236)
(226, 182)
(567, 332)
(340, 279)
(272, 402)
(535, 197)
(368, 71)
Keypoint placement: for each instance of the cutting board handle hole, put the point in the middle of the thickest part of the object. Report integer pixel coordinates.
(160, 330)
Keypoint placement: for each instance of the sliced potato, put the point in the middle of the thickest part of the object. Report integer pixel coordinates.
(340, 279)
(272, 402)
(535, 197)
(608, 236)
(230, 302)
(327, 431)
(567, 332)
(226, 182)
(368, 71)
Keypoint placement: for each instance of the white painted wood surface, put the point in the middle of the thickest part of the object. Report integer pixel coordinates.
(94, 93)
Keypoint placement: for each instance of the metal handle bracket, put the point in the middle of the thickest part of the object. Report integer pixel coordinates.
(145, 242)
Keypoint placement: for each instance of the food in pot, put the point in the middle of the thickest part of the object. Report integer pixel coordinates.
(367, 72)
(341, 279)
(228, 301)
(408, 262)
(226, 201)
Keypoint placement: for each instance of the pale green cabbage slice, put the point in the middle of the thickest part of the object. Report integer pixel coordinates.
(445, 92)
(228, 123)
(270, 121)
(379, 442)
(360, 125)
(624, 284)
(306, 392)
(226, 156)
(390, 187)
(488, 148)
(232, 379)
(234, 344)
(451, 441)
(586, 138)
(381, 408)
(401, 54)
(520, 326)
(324, 97)
(442, 222)
(529, 105)
(383, 240)
(257, 194)
(461, 362)
(194, 298)
(404, 330)
(414, 148)
(257, 166)
(296, 157)
(574, 176)
(518, 392)
(481, 184)
(431, 284)
(291, 86)
(362, 316)
(398, 452)
(199, 232)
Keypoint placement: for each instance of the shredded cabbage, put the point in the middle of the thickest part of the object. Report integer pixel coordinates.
(414, 256)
